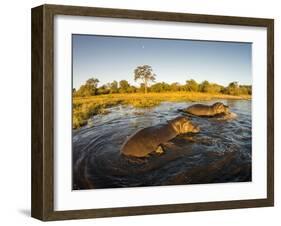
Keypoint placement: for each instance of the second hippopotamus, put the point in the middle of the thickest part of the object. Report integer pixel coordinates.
(148, 140)
(217, 108)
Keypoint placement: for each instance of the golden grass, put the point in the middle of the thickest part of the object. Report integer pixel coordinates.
(85, 107)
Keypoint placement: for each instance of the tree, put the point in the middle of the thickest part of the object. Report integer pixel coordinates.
(216, 88)
(175, 87)
(245, 89)
(145, 74)
(141, 89)
(157, 87)
(103, 90)
(192, 86)
(166, 86)
(232, 88)
(204, 86)
(113, 87)
(92, 82)
(92, 86)
(132, 89)
(89, 88)
(207, 87)
(124, 86)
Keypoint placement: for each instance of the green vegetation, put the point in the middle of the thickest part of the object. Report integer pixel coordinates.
(90, 88)
(91, 99)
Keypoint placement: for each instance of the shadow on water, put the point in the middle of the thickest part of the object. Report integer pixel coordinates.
(221, 152)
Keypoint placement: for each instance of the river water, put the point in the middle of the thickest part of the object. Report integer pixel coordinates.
(221, 152)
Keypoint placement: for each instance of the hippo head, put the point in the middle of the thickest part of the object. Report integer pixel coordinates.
(220, 108)
(183, 125)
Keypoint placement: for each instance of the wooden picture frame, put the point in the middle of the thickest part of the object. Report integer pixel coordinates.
(42, 205)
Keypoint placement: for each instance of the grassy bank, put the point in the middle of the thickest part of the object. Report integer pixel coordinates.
(85, 107)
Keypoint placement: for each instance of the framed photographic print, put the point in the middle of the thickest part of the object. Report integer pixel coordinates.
(141, 112)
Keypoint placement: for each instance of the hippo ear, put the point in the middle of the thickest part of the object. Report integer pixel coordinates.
(216, 106)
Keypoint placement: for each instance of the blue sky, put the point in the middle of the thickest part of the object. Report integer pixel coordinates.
(115, 58)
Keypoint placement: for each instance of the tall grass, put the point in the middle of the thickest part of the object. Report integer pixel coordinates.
(85, 107)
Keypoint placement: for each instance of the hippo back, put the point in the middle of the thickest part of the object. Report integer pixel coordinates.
(146, 140)
(199, 110)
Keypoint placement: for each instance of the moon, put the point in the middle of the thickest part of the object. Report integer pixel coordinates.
(142, 47)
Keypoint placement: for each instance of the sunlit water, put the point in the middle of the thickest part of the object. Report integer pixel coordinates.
(221, 152)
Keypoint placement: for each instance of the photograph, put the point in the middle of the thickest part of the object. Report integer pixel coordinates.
(150, 111)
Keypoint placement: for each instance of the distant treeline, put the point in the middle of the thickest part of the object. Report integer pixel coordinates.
(145, 74)
(91, 88)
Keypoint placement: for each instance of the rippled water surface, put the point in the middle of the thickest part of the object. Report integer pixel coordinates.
(221, 152)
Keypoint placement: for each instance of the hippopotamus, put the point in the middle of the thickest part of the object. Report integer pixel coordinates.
(217, 109)
(149, 139)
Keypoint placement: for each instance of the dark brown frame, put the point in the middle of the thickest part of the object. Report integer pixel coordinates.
(42, 203)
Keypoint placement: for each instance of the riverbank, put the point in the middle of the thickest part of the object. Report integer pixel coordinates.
(85, 107)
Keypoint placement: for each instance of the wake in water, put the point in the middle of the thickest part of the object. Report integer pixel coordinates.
(220, 153)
